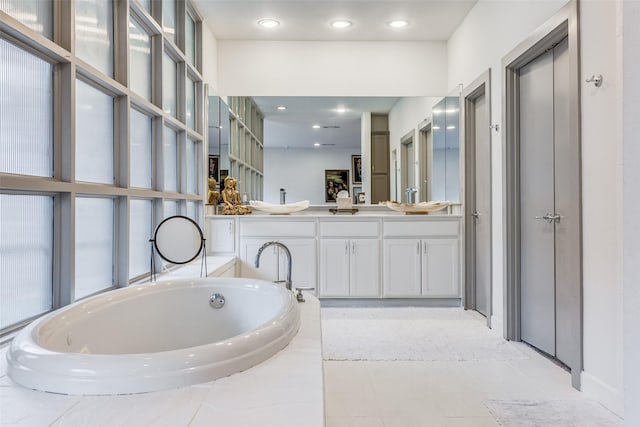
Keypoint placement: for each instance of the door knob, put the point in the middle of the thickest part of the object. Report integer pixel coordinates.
(476, 215)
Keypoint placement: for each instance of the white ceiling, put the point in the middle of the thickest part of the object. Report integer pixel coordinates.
(309, 20)
(292, 128)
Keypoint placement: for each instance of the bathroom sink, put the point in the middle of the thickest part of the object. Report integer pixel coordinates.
(417, 208)
(275, 209)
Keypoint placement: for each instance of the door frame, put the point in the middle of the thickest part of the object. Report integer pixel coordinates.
(425, 148)
(481, 86)
(563, 24)
(405, 141)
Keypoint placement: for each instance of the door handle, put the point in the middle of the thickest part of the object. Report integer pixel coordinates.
(475, 215)
(418, 249)
(353, 248)
(549, 217)
(346, 248)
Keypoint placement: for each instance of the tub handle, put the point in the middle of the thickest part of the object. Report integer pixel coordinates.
(216, 300)
(299, 295)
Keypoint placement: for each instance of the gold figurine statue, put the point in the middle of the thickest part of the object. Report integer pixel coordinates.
(212, 195)
(231, 198)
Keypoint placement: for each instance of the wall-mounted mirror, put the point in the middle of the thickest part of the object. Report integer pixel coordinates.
(313, 134)
(445, 131)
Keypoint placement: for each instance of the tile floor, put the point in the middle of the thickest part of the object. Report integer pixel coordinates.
(437, 393)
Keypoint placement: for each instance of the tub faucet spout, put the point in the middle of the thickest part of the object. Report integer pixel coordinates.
(286, 252)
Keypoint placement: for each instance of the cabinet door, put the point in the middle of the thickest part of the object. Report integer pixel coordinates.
(303, 262)
(222, 237)
(268, 260)
(365, 268)
(440, 268)
(334, 268)
(402, 268)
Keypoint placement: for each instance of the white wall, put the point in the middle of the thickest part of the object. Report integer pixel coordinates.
(490, 31)
(309, 68)
(209, 59)
(405, 117)
(602, 230)
(629, 44)
(300, 171)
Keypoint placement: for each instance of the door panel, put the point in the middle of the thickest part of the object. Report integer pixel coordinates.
(567, 203)
(334, 268)
(482, 224)
(365, 271)
(268, 260)
(303, 262)
(440, 268)
(402, 268)
(537, 200)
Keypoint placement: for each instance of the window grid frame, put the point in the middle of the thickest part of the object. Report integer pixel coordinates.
(60, 52)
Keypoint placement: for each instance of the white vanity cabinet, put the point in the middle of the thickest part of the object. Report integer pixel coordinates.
(349, 267)
(221, 235)
(300, 239)
(421, 267)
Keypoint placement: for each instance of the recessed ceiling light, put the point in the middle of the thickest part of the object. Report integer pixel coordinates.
(268, 23)
(316, 144)
(341, 110)
(281, 107)
(341, 23)
(316, 126)
(398, 23)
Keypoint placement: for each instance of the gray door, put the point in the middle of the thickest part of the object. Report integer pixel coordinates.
(482, 207)
(543, 131)
(425, 164)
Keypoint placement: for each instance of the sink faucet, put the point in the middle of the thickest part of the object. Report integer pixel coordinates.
(286, 252)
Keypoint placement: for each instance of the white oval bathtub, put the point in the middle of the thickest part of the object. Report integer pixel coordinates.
(153, 337)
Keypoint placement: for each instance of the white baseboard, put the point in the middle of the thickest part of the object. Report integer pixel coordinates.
(596, 389)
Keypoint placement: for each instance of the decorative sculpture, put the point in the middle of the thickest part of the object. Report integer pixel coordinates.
(231, 198)
(212, 196)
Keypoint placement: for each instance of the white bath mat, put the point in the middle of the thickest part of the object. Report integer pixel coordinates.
(552, 413)
(411, 334)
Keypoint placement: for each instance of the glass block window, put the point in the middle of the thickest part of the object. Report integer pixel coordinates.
(35, 14)
(94, 33)
(191, 104)
(169, 19)
(169, 85)
(170, 154)
(146, 5)
(94, 245)
(94, 135)
(191, 210)
(26, 97)
(140, 231)
(170, 208)
(26, 257)
(140, 143)
(140, 59)
(191, 167)
(190, 39)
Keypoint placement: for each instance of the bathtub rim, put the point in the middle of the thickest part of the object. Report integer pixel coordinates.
(56, 372)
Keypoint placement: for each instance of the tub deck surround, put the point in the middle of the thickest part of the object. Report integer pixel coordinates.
(286, 390)
(152, 337)
(377, 253)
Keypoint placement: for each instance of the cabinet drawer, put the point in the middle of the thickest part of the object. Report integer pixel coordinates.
(278, 228)
(421, 228)
(349, 229)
